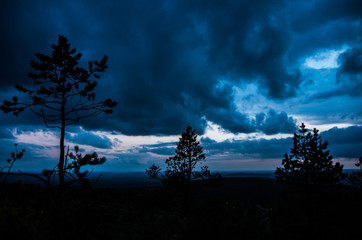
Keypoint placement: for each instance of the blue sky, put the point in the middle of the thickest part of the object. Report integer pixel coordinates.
(244, 74)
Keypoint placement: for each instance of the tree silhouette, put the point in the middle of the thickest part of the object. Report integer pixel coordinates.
(355, 177)
(78, 160)
(309, 163)
(181, 167)
(153, 171)
(62, 92)
(187, 154)
(17, 155)
(14, 157)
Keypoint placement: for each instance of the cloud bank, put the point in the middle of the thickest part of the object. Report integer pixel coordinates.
(167, 60)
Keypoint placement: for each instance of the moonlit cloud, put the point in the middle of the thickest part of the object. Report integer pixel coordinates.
(324, 59)
(37, 137)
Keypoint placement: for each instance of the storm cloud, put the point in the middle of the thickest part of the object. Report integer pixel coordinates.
(174, 63)
(346, 142)
(262, 148)
(275, 123)
(349, 74)
(89, 138)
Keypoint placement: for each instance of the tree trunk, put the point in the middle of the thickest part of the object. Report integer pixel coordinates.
(61, 143)
(61, 155)
(189, 170)
(61, 162)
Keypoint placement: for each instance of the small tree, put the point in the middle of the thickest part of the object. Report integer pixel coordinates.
(153, 171)
(181, 167)
(14, 157)
(355, 177)
(17, 155)
(62, 92)
(309, 163)
(73, 169)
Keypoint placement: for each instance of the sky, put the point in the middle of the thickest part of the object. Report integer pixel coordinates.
(244, 74)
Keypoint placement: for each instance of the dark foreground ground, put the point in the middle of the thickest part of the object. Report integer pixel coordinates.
(237, 208)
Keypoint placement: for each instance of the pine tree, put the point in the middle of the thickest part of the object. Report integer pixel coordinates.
(181, 167)
(73, 169)
(62, 92)
(355, 177)
(187, 154)
(309, 163)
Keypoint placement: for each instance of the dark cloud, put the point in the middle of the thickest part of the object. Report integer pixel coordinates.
(232, 121)
(273, 148)
(207, 140)
(275, 123)
(248, 40)
(166, 59)
(166, 149)
(344, 142)
(343, 135)
(87, 138)
(321, 25)
(6, 134)
(349, 74)
(270, 123)
(327, 94)
(351, 61)
(309, 15)
(27, 27)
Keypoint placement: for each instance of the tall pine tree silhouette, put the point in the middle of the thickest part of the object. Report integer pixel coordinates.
(62, 92)
(181, 167)
(188, 153)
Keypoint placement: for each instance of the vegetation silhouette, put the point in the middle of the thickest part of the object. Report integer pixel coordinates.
(14, 157)
(73, 172)
(315, 204)
(180, 169)
(73, 169)
(244, 208)
(355, 178)
(309, 165)
(62, 93)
